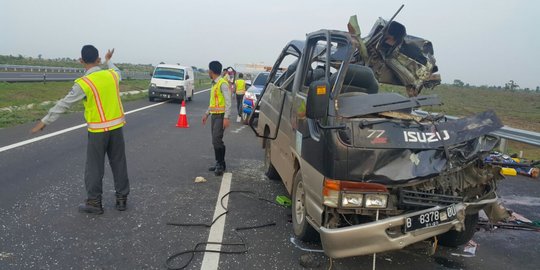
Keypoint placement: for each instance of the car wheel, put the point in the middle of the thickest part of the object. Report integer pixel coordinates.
(151, 99)
(454, 238)
(301, 227)
(269, 169)
(191, 97)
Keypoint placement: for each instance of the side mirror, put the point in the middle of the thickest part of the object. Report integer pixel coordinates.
(151, 74)
(187, 77)
(317, 99)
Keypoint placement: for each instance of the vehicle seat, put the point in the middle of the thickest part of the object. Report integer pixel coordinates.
(291, 69)
(359, 79)
(314, 75)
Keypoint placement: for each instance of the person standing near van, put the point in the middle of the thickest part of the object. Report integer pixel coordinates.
(240, 91)
(219, 110)
(104, 115)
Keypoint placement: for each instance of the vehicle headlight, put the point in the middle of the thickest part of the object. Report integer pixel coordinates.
(351, 199)
(152, 85)
(376, 200)
(181, 88)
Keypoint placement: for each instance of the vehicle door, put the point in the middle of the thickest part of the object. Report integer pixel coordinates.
(320, 61)
(275, 105)
(282, 81)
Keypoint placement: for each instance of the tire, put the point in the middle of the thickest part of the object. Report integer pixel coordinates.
(151, 99)
(269, 169)
(302, 229)
(191, 97)
(454, 238)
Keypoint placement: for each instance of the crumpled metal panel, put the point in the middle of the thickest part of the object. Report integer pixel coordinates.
(410, 62)
(384, 154)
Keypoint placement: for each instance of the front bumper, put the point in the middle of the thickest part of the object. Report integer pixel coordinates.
(374, 237)
(172, 93)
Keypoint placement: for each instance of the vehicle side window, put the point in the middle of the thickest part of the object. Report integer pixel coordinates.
(316, 68)
(287, 69)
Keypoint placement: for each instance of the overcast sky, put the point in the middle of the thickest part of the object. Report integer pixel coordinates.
(479, 42)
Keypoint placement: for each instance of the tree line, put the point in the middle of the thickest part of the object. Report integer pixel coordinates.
(511, 85)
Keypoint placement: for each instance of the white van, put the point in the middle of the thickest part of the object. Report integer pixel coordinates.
(171, 82)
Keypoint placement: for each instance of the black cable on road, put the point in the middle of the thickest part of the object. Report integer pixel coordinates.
(242, 243)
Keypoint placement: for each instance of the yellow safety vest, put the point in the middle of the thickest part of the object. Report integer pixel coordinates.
(240, 87)
(103, 109)
(217, 100)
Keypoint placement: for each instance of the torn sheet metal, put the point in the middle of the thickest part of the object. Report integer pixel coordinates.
(392, 152)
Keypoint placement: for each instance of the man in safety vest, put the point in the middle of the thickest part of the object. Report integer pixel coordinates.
(219, 109)
(240, 91)
(104, 115)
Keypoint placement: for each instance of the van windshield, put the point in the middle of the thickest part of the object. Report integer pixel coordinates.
(169, 74)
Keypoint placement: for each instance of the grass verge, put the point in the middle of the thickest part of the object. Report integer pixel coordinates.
(22, 93)
(17, 94)
(518, 109)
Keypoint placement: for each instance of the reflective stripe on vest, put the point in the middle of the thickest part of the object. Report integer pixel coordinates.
(217, 100)
(240, 87)
(107, 124)
(103, 107)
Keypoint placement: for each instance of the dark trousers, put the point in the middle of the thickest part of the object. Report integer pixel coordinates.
(112, 144)
(217, 137)
(239, 101)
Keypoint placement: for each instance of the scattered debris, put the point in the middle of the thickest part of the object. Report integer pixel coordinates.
(200, 179)
(468, 251)
(309, 261)
(514, 221)
(283, 200)
(512, 165)
(297, 245)
(5, 255)
(517, 217)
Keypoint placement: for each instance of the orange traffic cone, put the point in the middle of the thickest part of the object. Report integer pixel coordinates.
(182, 118)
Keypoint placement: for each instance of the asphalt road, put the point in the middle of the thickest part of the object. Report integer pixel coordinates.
(41, 185)
(37, 76)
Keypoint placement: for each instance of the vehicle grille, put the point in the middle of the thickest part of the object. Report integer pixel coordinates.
(164, 89)
(427, 199)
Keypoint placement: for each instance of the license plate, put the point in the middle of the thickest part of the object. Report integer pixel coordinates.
(430, 219)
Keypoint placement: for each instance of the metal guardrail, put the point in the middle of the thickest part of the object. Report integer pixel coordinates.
(519, 135)
(23, 68)
(506, 132)
(74, 72)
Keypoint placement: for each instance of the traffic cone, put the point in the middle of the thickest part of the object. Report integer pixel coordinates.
(182, 117)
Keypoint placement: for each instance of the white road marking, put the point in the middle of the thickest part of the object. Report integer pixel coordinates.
(238, 129)
(211, 259)
(56, 133)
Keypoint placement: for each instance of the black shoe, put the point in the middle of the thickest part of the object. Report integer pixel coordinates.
(91, 207)
(219, 170)
(121, 203)
(213, 168)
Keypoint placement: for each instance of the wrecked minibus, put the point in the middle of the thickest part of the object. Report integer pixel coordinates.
(366, 173)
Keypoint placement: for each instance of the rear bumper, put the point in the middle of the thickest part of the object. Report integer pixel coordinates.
(373, 237)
